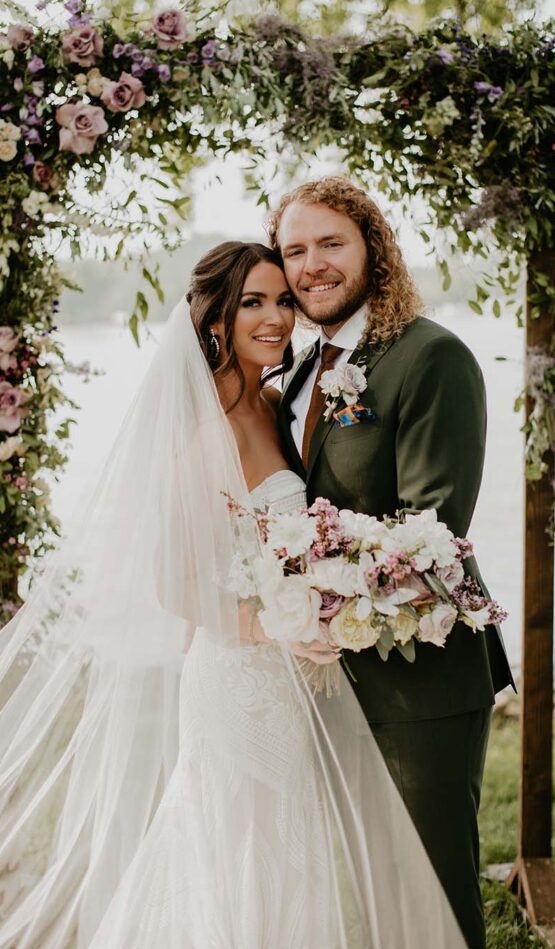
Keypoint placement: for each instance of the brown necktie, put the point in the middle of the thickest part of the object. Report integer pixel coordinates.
(318, 399)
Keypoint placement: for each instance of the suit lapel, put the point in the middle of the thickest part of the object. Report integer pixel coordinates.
(297, 377)
(370, 356)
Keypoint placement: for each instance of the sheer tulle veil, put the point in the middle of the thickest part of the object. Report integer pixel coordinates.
(90, 672)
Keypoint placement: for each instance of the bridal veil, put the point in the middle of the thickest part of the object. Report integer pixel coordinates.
(90, 672)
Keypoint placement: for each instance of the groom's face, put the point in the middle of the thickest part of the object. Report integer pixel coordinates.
(326, 262)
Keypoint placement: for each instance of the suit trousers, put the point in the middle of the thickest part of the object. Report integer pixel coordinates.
(437, 765)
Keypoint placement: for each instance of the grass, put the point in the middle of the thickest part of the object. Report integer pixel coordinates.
(505, 926)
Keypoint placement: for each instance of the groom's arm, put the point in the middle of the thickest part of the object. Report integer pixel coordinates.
(441, 436)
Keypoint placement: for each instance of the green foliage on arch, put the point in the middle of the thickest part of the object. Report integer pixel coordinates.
(468, 124)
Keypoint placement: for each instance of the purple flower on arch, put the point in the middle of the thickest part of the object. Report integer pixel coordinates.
(35, 64)
(445, 55)
(486, 89)
(164, 72)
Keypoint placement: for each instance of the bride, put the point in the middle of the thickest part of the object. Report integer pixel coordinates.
(167, 778)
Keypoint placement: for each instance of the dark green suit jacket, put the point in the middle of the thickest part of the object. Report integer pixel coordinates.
(424, 449)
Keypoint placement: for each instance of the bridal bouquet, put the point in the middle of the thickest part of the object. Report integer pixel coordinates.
(357, 581)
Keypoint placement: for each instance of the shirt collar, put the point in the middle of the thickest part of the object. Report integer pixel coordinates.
(348, 337)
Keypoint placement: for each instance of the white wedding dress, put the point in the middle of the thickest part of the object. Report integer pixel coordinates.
(151, 800)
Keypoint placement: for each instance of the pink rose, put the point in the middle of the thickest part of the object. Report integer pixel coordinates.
(20, 37)
(82, 46)
(127, 93)
(169, 28)
(80, 127)
(43, 175)
(12, 411)
(8, 339)
(331, 604)
(435, 627)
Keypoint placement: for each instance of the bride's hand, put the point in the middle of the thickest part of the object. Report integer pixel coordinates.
(323, 654)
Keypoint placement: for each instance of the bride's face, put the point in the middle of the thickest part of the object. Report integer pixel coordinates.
(264, 321)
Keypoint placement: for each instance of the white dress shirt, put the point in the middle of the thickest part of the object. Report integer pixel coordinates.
(347, 339)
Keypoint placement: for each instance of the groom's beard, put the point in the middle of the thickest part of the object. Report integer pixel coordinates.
(339, 311)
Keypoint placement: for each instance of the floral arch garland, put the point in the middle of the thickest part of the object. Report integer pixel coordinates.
(469, 124)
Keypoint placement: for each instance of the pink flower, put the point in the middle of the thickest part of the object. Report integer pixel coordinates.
(169, 28)
(451, 576)
(12, 410)
(80, 127)
(82, 46)
(20, 37)
(44, 176)
(331, 604)
(435, 627)
(8, 339)
(127, 93)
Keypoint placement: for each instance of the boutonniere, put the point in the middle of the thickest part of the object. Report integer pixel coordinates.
(343, 384)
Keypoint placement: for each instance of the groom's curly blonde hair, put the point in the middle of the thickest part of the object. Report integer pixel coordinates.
(394, 301)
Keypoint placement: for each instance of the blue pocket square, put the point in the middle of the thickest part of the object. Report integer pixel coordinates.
(352, 415)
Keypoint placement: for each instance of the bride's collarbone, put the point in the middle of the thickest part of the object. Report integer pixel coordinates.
(259, 447)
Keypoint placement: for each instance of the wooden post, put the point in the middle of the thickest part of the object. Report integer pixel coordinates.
(533, 875)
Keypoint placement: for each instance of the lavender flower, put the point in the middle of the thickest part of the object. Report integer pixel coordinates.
(35, 64)
(492, 92)
(28, 160)
(164, 72)
(445, 55)
(73, 6)
(208, 51)
(31, 135)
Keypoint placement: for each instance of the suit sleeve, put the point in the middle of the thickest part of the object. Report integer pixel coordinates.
(441, 435)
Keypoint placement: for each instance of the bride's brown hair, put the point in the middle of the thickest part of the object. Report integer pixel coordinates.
(214, 296)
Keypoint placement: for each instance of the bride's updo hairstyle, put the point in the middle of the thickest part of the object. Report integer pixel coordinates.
(214, 296)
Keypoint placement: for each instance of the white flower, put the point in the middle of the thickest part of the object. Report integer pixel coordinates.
(476, 619)
(451, 576)
(404, 628)
(293, 532)
(350, 632)
(366, 529)
(426, 539)
(8, 150)
(336, 575)
(435, 627)
(35, 203)
(9, 58)
(12, 446)
(292, 610)
(345, 381)
(240, 578)
(9, 131)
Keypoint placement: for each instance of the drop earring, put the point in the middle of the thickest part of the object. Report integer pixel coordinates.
(214, 346)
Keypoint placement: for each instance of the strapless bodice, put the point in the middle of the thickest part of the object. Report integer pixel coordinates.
(280, 492)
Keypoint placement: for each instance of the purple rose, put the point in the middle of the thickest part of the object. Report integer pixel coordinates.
(12, 407)
(80, 127)
(164, 72)
(82, 46)
(35, 64)
(169, 28)
(127, 93)
(118, 50)
(20, 37)
(331, 604)
(31, 136)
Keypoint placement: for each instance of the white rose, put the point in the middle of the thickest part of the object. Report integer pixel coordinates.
(9, 131)
(350, 632)
(330, 383)
(476, 619)
(451, 576)
(11, 446)
(292, 613)
(353, 383)
(404, 628)
(335, 575)
(435, 627)
(8, 150)
(294, 532)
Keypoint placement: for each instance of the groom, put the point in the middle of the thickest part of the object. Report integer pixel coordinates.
(419, 445)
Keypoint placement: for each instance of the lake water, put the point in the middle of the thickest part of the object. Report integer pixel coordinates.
(497, 527)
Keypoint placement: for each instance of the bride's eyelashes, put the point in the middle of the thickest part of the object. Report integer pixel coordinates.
(251, 302)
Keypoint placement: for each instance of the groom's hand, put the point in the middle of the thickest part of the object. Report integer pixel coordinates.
(323, 654)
